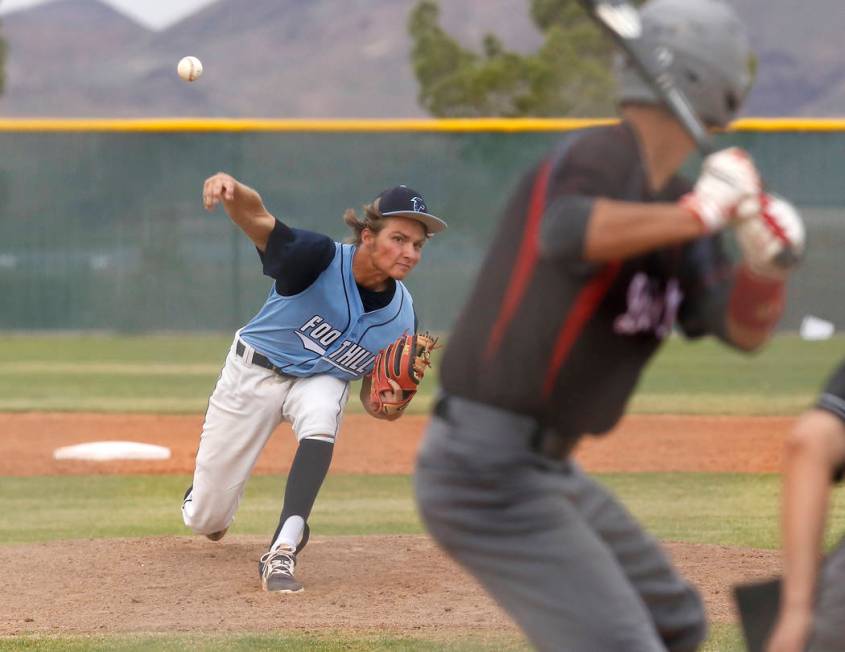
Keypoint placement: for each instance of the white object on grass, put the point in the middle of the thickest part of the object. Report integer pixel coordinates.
(813, 328)
(112, 450)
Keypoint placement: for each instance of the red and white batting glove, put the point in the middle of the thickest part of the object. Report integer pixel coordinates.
(771, 234)
(727, 178)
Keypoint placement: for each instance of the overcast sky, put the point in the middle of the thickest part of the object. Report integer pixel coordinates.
(153, 13)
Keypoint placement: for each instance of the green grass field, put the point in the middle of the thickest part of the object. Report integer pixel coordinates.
(176, 373)
(722, 508)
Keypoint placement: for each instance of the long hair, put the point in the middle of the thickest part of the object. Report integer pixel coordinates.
(373, 220)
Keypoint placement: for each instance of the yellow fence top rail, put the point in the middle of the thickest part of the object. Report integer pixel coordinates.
(374, 125)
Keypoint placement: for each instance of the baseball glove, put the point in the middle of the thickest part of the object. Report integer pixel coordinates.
(404, 362)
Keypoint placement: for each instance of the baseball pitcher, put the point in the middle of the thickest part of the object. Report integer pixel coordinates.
(330, 312)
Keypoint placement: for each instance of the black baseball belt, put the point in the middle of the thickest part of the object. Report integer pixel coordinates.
(258, 359)
(541, 439)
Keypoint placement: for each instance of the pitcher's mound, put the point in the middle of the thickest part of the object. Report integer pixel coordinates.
(398, 584)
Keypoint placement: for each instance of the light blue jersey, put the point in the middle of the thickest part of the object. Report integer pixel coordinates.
(324, 329)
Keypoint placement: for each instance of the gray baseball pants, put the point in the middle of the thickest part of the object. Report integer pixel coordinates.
(829, 621)
(553, 547)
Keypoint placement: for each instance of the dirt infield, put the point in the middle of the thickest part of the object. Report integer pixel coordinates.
(640, 443)
(388, 584)
(395, 584)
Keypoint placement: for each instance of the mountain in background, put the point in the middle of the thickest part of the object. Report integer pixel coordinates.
(336, 58)
(798, 44)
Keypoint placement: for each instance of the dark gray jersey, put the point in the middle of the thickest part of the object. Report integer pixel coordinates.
(545, 333)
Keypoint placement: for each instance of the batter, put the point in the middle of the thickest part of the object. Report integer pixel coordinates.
(602, 251)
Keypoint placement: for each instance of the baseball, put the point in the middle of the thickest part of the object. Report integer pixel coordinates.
(189, 68)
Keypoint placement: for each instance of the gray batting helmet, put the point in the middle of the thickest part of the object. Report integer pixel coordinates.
(704, 47)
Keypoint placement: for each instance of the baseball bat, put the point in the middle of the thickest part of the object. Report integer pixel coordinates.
(621, 20)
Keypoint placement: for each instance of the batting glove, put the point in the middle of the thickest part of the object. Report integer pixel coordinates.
(771, 234)
(727, 178)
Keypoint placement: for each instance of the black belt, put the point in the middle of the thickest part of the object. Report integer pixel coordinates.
(258, 359)
(542, 439)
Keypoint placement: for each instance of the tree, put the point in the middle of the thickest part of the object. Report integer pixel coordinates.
(568, 76)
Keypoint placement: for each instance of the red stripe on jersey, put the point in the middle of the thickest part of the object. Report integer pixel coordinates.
(526, 260)
(582, 309)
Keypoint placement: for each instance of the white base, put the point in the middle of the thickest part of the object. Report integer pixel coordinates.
(112, 450)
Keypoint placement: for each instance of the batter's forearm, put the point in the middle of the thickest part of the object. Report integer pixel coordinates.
(754, 308)
(620, 230)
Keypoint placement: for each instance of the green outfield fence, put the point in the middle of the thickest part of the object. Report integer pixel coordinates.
(102, 225)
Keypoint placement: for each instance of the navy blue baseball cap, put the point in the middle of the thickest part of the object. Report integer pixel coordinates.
(402, 201)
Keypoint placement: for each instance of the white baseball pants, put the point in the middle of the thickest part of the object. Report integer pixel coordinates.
(247, 405)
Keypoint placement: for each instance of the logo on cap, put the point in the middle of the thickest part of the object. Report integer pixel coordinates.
(418, 204)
